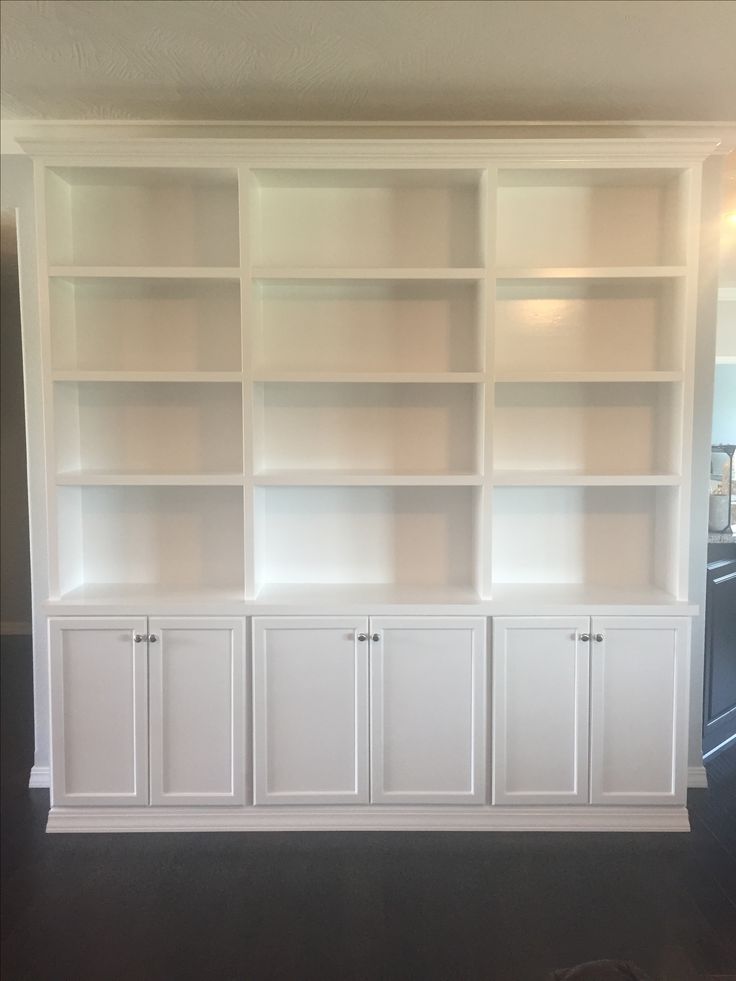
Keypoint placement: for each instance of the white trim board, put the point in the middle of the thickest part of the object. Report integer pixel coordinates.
(40, 778)
(373, 818)
(696, 776)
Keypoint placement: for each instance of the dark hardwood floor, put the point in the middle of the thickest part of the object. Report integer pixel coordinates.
(384, 907)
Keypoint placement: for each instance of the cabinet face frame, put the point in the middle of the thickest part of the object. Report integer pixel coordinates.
(679, 627)
(60, 796)
(263, 794)
(579, 651)
(239, 715)
(475, 793)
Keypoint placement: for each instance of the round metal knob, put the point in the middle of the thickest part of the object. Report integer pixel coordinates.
(152, 638)
(584, 637)
(362, 637)
(599, 638)
(375, 638)
(139, 638)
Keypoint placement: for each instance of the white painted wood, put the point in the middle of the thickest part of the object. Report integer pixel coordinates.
(404, 536)
(198, 710)
(398, 428)
(366, 326)
(540, 710)
(166, 537)
(376, 377)
(639, 706)
(99, 714)
(584, 218)
(394, 817)
(310, 709)
(158, 428)
(586, 429)
(306, 267)
(584, 325)
(148, 324)
(587, 536)
(428, 710)
(143, 216)
(438, 273)
(367, 218)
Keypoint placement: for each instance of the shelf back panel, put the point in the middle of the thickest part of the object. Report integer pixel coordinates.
(368, 427)
(367, 326)
(145, 325)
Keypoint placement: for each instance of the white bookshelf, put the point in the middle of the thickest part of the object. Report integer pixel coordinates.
(422, 384)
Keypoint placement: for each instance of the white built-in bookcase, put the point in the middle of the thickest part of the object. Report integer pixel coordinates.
(443, 383)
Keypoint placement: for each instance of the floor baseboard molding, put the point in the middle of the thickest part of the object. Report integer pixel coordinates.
(40, 777)
(373, 818)
(696, 776)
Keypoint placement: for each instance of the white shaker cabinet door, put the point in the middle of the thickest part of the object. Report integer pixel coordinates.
(99, 744)
(197, 710)
(310, 704)
(428, 710)
(639, 704)
(540, 710)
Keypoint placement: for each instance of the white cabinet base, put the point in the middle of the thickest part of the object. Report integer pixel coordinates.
(391, 817)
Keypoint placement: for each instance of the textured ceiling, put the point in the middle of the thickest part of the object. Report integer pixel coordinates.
(369, 59)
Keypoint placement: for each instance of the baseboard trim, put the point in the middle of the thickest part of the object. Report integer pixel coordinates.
(40, 777)
(371, 818)
(696, 776)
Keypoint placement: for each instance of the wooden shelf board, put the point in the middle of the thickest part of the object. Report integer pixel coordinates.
(110, 478)
(562, 478)
(546, 596)
(145, 272)
(525, 377)
(383, 272)
(364, 593)
(379, 377)
(590, 272)
(148, 376)
(349, 478)
(107, 594)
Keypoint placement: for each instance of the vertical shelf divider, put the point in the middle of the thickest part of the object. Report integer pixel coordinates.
(246, 192)
(486, 328)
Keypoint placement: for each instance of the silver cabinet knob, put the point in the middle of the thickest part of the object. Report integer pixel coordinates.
(375, 638)
(152, 638)
(584, 637)
(362, 638)
(599, 638)
(139, 638)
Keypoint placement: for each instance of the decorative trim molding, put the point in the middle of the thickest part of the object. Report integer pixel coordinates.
(14, 628)
(371, 818)
(15, 131)
(40, 777)
(696, 776)
(398, 152)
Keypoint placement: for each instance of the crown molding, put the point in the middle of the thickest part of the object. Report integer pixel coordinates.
(344, 153)
(18, 135)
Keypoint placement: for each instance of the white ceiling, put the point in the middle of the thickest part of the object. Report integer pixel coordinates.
(370, 59)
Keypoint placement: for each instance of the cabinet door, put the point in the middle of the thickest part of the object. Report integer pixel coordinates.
(98, 678)
(639, 707)
(540, 710)
(310, 703)
(197, 710)
(428, 710)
